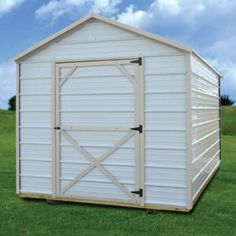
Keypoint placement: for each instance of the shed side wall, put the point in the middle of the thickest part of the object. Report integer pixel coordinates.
(165, 108)
(205, 124)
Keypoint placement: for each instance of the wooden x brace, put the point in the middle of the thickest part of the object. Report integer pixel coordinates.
(64, 79)
(97, 162)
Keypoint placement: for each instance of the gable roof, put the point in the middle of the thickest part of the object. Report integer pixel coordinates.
(93, 16)
(105, 20)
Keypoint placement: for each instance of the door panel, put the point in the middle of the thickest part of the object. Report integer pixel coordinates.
(97, 153)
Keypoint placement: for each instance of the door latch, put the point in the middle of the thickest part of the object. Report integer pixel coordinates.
(57, 127)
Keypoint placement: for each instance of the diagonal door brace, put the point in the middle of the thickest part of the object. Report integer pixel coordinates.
(64, 79)
(97, 163)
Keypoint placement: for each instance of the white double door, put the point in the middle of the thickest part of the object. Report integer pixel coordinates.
(98, 131)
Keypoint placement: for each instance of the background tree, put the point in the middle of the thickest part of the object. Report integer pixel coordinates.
(226, 100)
(12, 103)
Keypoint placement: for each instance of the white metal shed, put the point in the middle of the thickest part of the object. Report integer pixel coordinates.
(109, 114)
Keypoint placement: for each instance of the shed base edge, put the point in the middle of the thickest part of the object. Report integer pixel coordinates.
(146, 206)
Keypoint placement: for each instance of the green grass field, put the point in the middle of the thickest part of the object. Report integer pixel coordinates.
(228, 120)
(214, 214)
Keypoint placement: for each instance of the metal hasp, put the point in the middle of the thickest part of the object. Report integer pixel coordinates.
(57, 127)
(139, 192)
(139, 128)
(139, 61)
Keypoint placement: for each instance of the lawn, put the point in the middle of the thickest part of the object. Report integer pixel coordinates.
(228, 120)
(214, 214)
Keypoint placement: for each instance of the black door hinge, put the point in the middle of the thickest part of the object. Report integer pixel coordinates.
(139, 129)
(139, 61)
(139, 192)
(57, 127)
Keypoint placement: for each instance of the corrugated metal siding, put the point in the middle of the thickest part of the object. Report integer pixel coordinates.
(165, 130)
(99, 48)
(205, 118)
(35, 128)
(165, 110)
(90, 33)
(108, 41)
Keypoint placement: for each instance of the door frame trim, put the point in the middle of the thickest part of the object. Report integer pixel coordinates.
(140, 88)
(139, 120)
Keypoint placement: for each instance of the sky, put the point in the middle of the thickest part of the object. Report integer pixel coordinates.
(209, 27)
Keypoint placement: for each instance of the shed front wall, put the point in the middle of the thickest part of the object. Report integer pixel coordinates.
(205, 124)
(164, 109)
